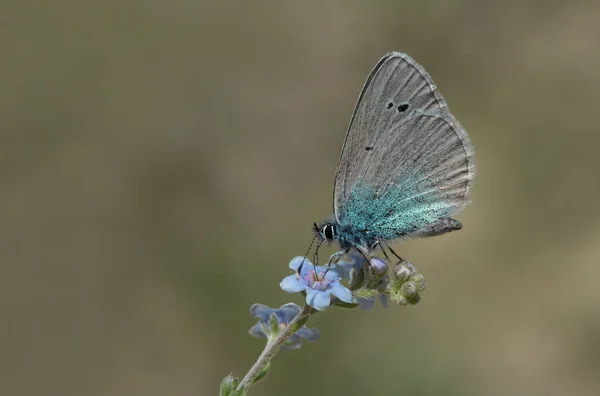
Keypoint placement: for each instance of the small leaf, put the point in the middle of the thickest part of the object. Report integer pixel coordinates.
(298, 325)
(365, 293)
(262, 374)
(339, 303)
(273, 325)
(265, 329)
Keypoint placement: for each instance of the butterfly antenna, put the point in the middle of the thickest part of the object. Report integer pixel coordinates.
(316, 255)
(307, 252)
(382, 247)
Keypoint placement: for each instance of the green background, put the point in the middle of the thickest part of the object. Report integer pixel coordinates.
(162, 161)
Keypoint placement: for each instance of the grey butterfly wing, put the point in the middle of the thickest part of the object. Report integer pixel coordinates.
(406, 161)
(395, 80)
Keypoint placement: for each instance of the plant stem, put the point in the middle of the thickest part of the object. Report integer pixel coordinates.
(272, 348)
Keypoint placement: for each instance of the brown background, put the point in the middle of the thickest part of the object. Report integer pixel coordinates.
(162, 161)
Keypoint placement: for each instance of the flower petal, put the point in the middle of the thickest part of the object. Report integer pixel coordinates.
(356, 261)
(366, 303)
(257, 331)
(317, 299)
(310, 334)
(287, 312)
(294, 338)
(297, 261)
(335, 272)
(384, 299)
(291, 306)
(341, 292)
(292, 284)
(261, 311)
(291, 346)
(379, 265)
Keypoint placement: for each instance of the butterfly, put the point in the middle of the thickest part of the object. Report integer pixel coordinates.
(406, 165)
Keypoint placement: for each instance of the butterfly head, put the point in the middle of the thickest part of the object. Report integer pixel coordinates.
(326, 231)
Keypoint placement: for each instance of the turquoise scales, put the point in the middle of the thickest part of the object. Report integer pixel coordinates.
(406, 165)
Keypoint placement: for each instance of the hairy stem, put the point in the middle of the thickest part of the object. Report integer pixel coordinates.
(273, 347)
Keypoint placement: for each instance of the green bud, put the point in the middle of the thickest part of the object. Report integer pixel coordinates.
(365, 293)
(398, 298)
(401, 299)
(400, 273)
(418, 280)
(414, 300)
(406, 284)
(229, 387)
(409, 289)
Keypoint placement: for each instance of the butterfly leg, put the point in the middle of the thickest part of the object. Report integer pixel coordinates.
(382, 247)
(335, 257)
(394, 253)
(442, 226)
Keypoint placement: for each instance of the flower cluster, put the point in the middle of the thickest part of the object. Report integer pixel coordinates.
(357, 282)
(271, 321)
(322, 286)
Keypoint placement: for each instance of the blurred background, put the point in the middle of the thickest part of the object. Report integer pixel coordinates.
(163, 161)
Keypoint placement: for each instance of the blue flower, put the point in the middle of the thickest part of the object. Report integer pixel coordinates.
(319, 283)
(284, 316)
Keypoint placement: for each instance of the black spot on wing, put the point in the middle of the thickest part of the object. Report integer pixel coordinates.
(403, 107)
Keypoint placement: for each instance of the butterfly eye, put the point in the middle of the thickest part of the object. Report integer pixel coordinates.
(328, 231)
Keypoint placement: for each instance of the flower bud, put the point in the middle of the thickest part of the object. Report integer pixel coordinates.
(375, 272)
(272, 321)
(405, 284)
(398, 298)
(409, 289)
(378, 266)
(419, 280)
(401, 271)
(229, 387)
